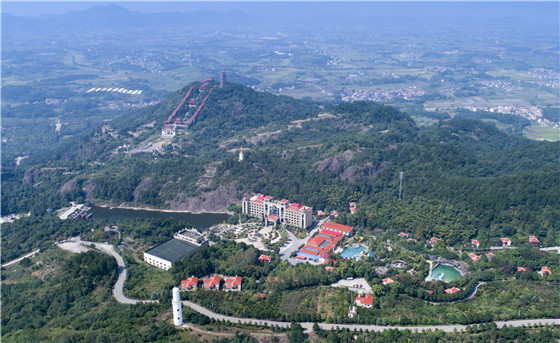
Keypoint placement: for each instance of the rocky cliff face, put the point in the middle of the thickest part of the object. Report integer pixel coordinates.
(213, 201)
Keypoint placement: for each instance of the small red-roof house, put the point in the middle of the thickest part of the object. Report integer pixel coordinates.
(433, 240)
(411, 240)
(545, 270)
(430, 292)
(490, 255)
(260, 295)
(505, 241)
(474, 257)
(533, 240)
(352, 204)
(189, 284)
(320, 213)
(521, 269)
(366, 301)
(352, 210)
(387, 281)
(233, 284)
(403, 234)
(452, 290)
(212, 283)
(265, 259)
(475, 243)
(329, 268)
(334, 214)
(343, 229)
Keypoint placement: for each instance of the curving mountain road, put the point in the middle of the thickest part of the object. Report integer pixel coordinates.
(357, 327)
(108, 249)
(121, 298)
(21, 258)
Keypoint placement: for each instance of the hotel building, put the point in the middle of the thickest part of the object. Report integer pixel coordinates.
(276, 211)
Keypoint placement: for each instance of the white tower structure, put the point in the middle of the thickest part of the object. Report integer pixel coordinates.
(177, 307)
(241, 154)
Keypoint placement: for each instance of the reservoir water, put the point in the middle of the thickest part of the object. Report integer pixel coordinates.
(444, 272)
(199, 220)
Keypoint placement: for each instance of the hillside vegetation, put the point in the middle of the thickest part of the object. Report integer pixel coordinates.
(462, 178)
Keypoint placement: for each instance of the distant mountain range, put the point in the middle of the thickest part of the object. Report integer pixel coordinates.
(316, 16)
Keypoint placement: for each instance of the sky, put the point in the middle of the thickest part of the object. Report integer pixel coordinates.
(36, 8)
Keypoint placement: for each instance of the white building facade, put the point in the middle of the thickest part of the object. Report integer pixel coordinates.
(292, 214)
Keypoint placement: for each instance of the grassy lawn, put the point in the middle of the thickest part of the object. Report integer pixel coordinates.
(538, 132)
(143, 279)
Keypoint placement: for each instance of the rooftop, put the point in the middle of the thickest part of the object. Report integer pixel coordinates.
(173, 250)
(338, 227)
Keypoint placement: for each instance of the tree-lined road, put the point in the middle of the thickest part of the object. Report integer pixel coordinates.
(108, 249)
(20, 258)
(121, 298)
(357, 327)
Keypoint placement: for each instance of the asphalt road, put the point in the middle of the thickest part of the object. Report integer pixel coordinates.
(296, 243)
(357, 327)
(118, 289)
(20, 258)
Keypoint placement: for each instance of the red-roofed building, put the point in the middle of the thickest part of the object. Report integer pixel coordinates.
(334, 214)
(320, 213)
(212, 283)
(366, 301)
(433, 240)
(521, 269)
(343, 229)
(430, 292)
(261, 295)
(403, 234)
(490, 255)
(533, 240)
(265, 259)
(474, 257)
(189, 284)
(475, 243)
(352, 210)
(388, 281)
(329, 268)
(411, 240)
(233, 284)
(264, 206)
(272, 219)
(352, 204)
(505, 241)
(545, 270)
(452, 290)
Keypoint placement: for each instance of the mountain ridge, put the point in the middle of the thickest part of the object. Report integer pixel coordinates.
(321, 155)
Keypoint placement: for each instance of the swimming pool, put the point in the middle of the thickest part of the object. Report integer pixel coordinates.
(444, 272)
(350, 252)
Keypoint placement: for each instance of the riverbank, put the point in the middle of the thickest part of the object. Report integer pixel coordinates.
(109, 207)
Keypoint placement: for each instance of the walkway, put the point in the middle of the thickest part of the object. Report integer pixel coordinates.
(357, 327)
(20, 258)
(108, 249)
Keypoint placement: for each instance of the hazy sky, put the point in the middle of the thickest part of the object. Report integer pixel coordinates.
(478, 8)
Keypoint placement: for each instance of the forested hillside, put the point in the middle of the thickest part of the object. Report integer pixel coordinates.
(462, 178)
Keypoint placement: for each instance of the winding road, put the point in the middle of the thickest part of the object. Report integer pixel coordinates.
(20, 258)
(121, 298)
(108, 249)
(357, 327)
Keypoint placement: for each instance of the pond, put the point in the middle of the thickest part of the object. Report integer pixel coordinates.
(198, 220)
(444, 272)
(352, 251)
